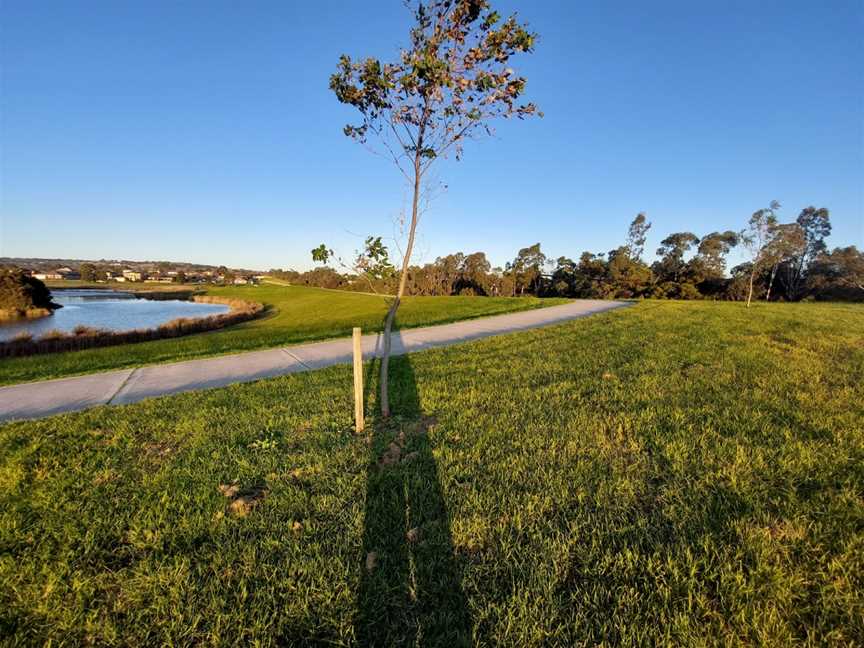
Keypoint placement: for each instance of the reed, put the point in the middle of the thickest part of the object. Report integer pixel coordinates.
(84, 337)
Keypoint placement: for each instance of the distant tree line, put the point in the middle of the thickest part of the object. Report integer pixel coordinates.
(785, 261)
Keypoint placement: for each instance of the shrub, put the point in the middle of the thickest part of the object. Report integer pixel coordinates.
(20, 292)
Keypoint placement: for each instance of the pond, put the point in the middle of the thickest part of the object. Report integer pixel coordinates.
(107, 309)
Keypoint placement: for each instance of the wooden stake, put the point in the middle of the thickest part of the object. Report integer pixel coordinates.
(358, 382)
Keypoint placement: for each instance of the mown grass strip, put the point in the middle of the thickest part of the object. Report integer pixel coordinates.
(675, 473)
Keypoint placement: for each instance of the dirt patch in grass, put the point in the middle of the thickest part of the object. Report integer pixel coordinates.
(244, 499)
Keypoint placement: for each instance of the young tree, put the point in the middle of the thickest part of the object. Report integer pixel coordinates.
(451, 82)
(756, 238)
(372, 263)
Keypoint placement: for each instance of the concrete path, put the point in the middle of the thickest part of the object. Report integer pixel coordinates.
(39, 399)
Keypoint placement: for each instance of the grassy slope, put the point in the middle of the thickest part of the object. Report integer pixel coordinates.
(131, 286)
(299, 314)
(684, 473)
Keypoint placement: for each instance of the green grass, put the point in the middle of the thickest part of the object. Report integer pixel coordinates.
(669, 473)
(130, 286)
(298, 314)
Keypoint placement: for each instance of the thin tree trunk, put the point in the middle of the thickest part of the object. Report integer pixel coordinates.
(391, 314)
(750, 294)
(798, 274)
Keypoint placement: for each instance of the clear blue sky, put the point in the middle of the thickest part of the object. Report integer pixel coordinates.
(205, 131)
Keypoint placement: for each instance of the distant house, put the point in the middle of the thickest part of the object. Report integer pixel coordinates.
(133, 275)
(58, 274)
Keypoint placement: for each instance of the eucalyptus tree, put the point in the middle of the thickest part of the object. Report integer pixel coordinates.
(787, 244)
(671, 252)
(527, 269)
(838, 274)
(474, 274)
(447, 86)
(757, 237)
(637, 234)
(713, 249)
(816, 226)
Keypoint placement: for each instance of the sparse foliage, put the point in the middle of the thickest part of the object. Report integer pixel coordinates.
(449, 85)
(637, 234)
(321, 254)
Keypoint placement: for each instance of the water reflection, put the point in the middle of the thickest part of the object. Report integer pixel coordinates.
(107, 309)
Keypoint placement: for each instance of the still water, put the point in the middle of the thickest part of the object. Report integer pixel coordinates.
(107, 309)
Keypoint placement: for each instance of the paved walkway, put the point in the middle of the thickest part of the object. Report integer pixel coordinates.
(39, 399)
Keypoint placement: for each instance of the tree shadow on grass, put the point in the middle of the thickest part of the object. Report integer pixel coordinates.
(410, 589)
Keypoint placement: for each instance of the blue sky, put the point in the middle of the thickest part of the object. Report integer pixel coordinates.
(205, 131)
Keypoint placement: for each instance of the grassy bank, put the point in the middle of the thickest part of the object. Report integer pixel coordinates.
(670, 473)
(124, 286)
(297, 314)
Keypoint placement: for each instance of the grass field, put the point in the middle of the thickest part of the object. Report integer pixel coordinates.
(671, 473)
(298, 314)
(131, 286)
